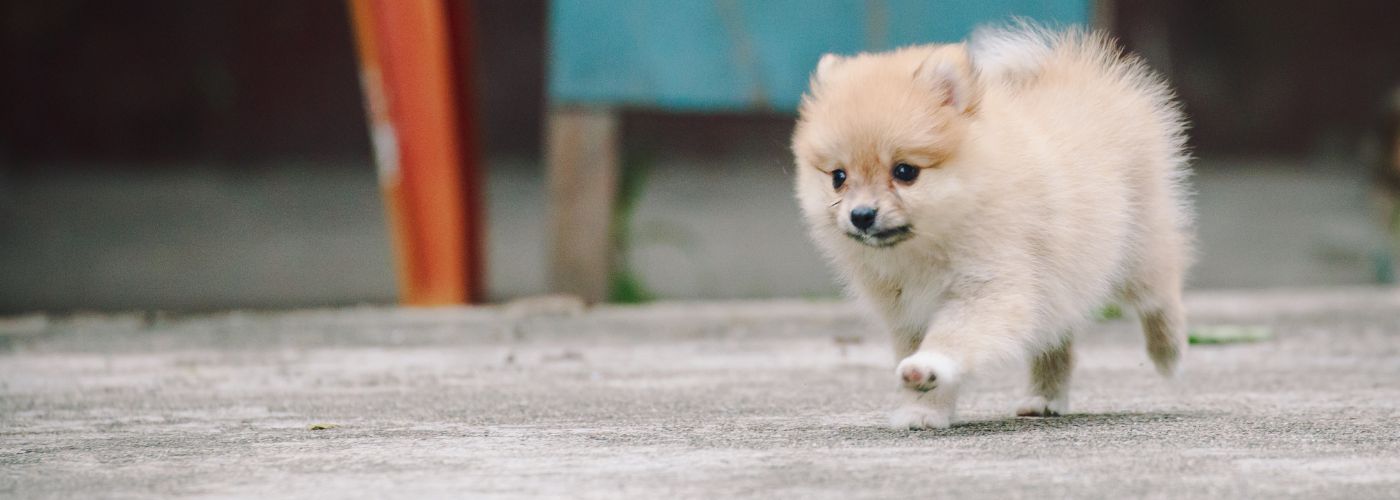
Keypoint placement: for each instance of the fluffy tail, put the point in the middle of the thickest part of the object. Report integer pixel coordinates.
(1018, 51)
(1010, 53)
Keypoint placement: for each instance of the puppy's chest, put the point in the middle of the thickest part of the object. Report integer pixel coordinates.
(908, 302)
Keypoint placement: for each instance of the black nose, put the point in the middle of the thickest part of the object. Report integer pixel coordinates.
(863, 217)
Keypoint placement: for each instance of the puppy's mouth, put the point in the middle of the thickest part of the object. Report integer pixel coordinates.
(885, 237)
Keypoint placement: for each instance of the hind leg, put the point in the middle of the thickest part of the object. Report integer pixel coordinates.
(1049, 390)
(1164, 324)
(1155, 291)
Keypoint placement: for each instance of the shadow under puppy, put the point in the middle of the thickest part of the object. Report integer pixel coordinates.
(985, 198)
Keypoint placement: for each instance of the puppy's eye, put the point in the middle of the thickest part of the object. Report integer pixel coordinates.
(905, 172)
(838, 177)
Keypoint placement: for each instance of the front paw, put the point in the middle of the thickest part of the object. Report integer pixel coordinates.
(925, 371)
(916, 417)
(1038, 406)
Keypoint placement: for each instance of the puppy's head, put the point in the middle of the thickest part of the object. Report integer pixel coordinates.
(874, 136)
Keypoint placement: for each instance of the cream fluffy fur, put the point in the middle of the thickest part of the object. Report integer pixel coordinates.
(1050, 181)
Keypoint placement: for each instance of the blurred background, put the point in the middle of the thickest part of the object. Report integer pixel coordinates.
(175, 155)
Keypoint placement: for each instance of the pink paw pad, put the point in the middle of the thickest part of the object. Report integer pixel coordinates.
(913, 375)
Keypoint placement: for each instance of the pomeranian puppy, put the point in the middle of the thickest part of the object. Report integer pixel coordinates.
(985, 198)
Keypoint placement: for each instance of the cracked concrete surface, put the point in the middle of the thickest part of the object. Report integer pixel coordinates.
(680, 400)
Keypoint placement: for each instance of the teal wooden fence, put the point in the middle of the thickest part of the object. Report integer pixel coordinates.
(730, 55)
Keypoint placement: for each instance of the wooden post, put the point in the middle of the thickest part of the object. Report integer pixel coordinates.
(582, 153)
(414, 69)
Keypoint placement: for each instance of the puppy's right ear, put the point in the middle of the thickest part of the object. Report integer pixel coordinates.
(825, 67)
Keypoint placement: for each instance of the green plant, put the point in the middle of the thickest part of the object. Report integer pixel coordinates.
(1109, 311)
(623, 284)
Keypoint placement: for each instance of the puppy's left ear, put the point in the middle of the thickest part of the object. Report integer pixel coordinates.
(949, 74)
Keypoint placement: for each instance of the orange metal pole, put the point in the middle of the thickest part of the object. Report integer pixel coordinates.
(461, 27)
(424, 144)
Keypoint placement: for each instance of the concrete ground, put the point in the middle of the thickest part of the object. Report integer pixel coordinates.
(679, 400)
